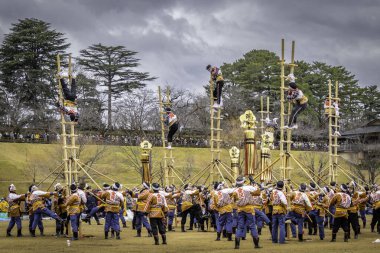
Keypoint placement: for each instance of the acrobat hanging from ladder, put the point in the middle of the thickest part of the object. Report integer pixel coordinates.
(299, 100)
(171, 121)
(217, 78)
(68, 104)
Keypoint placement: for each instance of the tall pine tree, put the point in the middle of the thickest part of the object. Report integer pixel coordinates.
(27, 64)
(114, 66)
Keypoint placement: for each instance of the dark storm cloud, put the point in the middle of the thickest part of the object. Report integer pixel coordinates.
(176, 39)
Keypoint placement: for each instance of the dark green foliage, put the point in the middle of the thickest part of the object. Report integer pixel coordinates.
(27, 64)
(113, 65)
(89, 103)
(258, 74)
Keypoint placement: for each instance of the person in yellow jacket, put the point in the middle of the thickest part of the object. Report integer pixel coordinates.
(171, 199)
(313, 196)
(321, 205)
(60, 209)
(14, 212)
(342, 201)
(222, 199)
(114, 200)
(243, 198)
(353, 217)
(300, 205)
(280, 205)
(69, 105)
(364, 197)
(3, 205)
(37, 199)
(171, 121)
(299, 100)
(157, 209)
(141, 219)
(375, 200)
(73, 209)
(216, 78)
(187, 204)
(29, 208)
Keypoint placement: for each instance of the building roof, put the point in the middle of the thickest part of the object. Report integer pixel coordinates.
(372, 127)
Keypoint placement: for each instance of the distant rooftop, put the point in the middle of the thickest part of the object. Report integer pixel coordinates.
(372, 127)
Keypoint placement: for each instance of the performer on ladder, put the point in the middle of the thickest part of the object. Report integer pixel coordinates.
(171, 121)
(69, 105)
(299, 100)
(334, 111)
(216, 78)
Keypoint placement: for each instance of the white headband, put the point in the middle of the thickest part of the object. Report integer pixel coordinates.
(12, 188)
(241, 181)
(34, 188)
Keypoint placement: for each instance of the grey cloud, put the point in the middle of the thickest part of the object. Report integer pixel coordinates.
(176, 39)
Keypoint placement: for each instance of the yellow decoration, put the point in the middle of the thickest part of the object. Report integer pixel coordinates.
(248, 120)
(146, 148)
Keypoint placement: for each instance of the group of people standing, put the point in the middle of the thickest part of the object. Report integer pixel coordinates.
(245, 207)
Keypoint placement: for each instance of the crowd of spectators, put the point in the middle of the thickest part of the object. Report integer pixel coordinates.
(135, 140)
(26, 137)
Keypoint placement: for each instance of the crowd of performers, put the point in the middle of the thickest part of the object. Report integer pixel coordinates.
(245, 207)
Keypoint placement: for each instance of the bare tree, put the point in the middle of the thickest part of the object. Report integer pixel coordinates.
(368, 170)
(316, 166)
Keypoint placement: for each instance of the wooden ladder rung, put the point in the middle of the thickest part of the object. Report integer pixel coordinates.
(62, 77)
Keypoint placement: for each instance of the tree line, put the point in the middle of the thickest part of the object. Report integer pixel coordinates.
(112, 94)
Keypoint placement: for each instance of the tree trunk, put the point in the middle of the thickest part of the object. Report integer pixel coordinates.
(109, 104)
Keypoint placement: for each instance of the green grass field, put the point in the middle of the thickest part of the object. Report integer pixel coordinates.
(22, 163)
(190, 241)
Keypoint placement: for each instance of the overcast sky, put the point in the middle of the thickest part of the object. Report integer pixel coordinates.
(177, 39)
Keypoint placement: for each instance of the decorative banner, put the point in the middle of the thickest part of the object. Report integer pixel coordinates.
(235, 155)
(248, 121)
(267, 140)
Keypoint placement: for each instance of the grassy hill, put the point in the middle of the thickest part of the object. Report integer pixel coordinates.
(22, 164)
